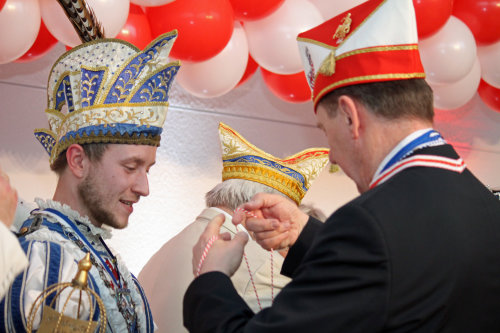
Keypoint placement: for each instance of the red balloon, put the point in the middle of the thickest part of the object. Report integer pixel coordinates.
(431, 15)
(249, 10)
(490, 95)
(291, 88)
(249, 71)
(43, 44)
(2, 2)
(482, 17)
(204, 27)
(136, 30)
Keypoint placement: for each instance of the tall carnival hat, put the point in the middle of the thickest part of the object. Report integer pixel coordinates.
(114, 92)
(375, 41)
(292, 175)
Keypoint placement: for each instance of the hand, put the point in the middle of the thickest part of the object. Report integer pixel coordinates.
(276, 222)
(224, 255)
(8, 200)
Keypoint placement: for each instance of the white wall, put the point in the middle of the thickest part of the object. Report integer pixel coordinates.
(189, 160)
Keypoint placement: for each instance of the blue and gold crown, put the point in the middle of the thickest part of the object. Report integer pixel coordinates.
(114, 93)
(291, 176)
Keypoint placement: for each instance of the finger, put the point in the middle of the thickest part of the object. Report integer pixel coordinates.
(241, 237)
(260, 225)
(275, 243)
(225, 236)
(239, 216)
(213, 227)
(263, 200)
(261, 236)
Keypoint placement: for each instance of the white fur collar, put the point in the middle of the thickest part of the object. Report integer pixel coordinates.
(104, 232)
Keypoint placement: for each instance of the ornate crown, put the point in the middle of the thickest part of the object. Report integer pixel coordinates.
(292, 175)
(114, 93)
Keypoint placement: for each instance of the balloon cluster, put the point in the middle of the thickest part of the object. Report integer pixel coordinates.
(222, 43)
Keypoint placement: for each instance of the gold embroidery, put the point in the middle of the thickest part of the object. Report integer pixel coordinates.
(343, 29)
(291, 175)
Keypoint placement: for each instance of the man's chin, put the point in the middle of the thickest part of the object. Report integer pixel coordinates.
(119, 225)
(115, 224)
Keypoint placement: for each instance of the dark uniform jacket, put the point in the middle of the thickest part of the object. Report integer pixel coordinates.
(418, 253)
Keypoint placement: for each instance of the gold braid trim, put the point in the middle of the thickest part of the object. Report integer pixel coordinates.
(391, 76)
(136, 138)
(267, 176)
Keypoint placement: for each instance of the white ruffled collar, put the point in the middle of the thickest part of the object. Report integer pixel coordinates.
(104, 232)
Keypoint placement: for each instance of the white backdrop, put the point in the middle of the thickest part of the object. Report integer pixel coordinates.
(189, 160)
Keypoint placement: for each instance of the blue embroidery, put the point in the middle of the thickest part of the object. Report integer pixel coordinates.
(260, 160)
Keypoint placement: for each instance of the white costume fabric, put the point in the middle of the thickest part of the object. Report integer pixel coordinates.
(168, 273)
(12, 258)
(60, 239)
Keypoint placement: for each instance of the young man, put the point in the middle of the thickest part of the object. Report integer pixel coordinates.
(417, 251)
(101, 149)
(168, 273)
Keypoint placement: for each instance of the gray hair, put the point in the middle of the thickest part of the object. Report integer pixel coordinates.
(313, 211)
(235, 192)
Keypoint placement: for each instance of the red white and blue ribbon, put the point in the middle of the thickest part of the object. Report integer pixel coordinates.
(396, 160)
(431, 161)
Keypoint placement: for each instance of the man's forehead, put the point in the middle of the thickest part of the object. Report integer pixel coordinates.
(130, 151)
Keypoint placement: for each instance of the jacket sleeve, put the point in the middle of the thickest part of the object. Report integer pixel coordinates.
(340, 285)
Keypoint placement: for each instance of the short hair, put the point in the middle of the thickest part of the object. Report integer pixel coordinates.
(313, 211)
(395, 99)
(94, 152)
(232, 193)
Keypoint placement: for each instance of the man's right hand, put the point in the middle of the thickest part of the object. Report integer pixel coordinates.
(277, 221)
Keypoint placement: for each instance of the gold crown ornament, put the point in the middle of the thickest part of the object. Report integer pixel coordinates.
(374, 41)
(113, 92)
(291, 176)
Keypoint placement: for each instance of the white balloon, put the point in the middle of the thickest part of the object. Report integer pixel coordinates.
(489, 56)
(19, 26)
(332, 8)
(218, 75)
(151, 3)
(454, 95)
(112, 14)
(449, 54)
(272, 41)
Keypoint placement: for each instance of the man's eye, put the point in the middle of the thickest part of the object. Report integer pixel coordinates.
(129, 168)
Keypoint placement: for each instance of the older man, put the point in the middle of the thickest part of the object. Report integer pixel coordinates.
(246, 171)
(417, 251)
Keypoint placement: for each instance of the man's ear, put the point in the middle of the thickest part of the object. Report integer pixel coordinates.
(77, 160)
(350, 111)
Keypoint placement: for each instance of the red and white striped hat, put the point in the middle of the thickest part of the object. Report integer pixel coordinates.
(375, 41)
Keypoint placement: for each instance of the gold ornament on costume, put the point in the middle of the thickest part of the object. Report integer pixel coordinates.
(292, 175)
(328, 66)
(333, 168)
(53, 321)
(343, 29)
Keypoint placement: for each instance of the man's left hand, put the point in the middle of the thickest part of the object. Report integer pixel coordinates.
(224, 255)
